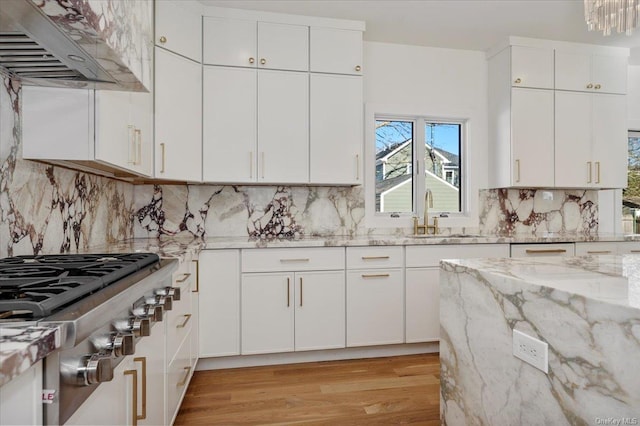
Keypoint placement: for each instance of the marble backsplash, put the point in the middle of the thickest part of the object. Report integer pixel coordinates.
(47, 209)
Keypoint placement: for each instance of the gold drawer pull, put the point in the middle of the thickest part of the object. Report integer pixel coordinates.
(599, 252)
(186, 377)
(374, 257)
(197, 290)
(546, 251)
(162, 147)
(300, 291)
(375, 275)
(143, 361)
(187, 317)
(294, 260)
(184, 278)
(288, 292)
(634, 251)
(134, 395)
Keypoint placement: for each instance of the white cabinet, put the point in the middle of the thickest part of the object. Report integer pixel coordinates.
(375, 296)
(283, 127)
(195, 311)
(149, 362)
(178, 118)
(582, 71)
(21, 398)
(179, 27)
(335, 50)
(335, 151)
(532, 138)
(106, 130)
(256, 127)
(607, 248)
(531, 67)
(301, 307)
(542, 250)
(247, 43)
(591, 141)
(422, 286)
(628, 247)
(219, 293)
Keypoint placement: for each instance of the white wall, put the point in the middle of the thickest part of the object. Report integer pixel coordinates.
(633, 97)
(433, 82)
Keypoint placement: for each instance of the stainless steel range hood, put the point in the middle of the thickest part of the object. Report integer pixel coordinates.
(34, 50)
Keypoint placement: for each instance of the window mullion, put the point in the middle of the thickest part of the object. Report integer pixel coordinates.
(418, 158)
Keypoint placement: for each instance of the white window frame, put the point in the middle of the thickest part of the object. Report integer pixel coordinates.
(468, 216)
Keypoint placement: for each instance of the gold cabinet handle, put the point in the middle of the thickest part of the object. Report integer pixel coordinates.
(358, 68)
(263, 61)
(597, 87)
(187, 317)
(375, 275)
(131, 139)
(517, 170)
(134, 396)
(197, 290)
(288, 292)
(184, 278)
(589, 172)
(138, 140)
(599, 252)
(634, 251)
(597, 172)
(163, 152)
(374, 257)
(518, 80)
(251, 165)
(589, 86)
(163, 39)
(300, 291)
(252, 60)
(186, 377)
(143, 361)
(305, 259)
(357, 166)
(532, 251)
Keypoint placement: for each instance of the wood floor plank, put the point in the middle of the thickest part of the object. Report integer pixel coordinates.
(392, 390)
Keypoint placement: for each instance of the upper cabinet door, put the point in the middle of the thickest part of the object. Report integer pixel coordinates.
(142, 119)
(283, 46)
(573, 71)
(114, 140)
(230, 42)
(178, 117)
(610, 141)
(179, 28)
(336, 51)
(609, 73)
(532, 67)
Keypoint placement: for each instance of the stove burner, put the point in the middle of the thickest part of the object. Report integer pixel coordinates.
(44, 284)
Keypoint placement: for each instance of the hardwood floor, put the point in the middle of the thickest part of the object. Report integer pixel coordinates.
(378, 391)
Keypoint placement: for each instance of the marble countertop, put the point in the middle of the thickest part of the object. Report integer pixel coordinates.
(21, 347)
(610, 279)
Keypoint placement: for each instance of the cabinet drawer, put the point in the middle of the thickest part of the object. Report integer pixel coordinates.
(179, 317)
(628, 247)
(178, 376)
(307, 259)
(541, 250)
(424, 256)
(374, 257)
(585, 249)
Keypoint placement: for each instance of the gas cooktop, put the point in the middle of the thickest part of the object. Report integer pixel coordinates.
(33, 287)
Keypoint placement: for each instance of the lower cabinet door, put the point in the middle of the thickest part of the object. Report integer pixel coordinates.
(375, 307)
(149, 361)
(422, 316)
(179, 372)
(320, 310)
(267, 313)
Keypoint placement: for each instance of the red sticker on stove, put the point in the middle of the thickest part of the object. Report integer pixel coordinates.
(48, 396)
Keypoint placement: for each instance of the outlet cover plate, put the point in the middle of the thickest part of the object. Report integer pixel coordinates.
(531, 350)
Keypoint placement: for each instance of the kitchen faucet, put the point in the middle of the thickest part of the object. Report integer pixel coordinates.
(425, 227)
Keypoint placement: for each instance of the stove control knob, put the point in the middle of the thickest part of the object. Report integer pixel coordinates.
(164, 301)
(149, 310)
(139, 326)
(97, 369)
(174, 292)
(123, 344)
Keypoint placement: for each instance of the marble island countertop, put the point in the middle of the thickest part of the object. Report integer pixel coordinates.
(21, 347)
(586, 309)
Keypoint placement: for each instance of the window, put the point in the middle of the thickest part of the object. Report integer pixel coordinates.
(631, 195)
(406, 170)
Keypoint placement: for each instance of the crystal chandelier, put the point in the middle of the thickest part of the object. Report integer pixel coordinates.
(603, 15)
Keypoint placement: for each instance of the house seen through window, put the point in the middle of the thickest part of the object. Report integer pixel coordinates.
(406, 169)
(631, 195)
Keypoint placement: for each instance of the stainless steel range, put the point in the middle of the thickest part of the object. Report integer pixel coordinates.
(103, 304)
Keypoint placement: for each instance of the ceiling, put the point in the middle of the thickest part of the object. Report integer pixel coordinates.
(455, 24)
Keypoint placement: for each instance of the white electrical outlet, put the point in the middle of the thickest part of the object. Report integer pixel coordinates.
(531, 350)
